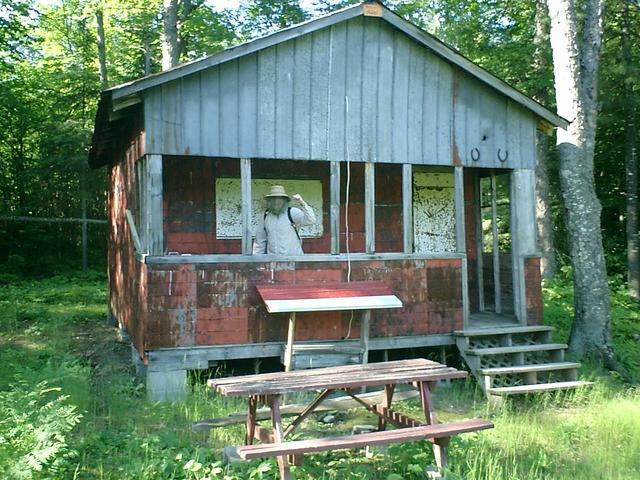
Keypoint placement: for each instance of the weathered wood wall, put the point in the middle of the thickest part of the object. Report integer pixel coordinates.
(127, 276)
(217, 304)
(358, 90)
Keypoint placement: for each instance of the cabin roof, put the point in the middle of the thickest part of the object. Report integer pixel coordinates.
(111, 112)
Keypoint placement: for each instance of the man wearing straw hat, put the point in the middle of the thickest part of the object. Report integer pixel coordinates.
(277, 231)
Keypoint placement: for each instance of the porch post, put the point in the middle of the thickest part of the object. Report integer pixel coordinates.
(335, 208)
(407, 207)
(245, 182)
(369, 207)
(154, 214)
(461, 240)
(523, 233)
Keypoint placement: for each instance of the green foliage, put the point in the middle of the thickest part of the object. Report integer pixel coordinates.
(35, 423)
(70, 407)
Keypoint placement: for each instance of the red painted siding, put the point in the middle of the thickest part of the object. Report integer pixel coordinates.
(190, 211)
(217, 304)
(127, 276)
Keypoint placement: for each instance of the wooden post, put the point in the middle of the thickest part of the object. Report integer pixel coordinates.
(335, 208)
(288, 353)
(523, 233)
(461, 240)
(245, 181)
(155, 222)
(364, 335)
(407, 207)
(369, 207)
(479, 239)
(497, 293)
(85, 253)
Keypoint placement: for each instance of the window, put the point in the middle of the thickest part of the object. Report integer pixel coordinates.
(434, 221)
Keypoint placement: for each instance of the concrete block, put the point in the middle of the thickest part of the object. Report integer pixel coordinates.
(170, 385)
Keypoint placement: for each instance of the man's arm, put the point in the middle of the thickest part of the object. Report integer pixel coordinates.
(302, 214)
(260, 243)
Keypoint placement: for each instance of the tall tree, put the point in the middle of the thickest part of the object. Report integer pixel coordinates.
(102, 51)
(631, 158)
(175, 14)
(543, 200)
(576, 55)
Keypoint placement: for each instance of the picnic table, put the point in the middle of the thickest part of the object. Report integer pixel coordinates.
(268, 389)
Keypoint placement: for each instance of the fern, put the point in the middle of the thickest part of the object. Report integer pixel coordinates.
(34, 426)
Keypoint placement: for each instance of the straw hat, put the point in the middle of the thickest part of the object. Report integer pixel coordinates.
(277, 191)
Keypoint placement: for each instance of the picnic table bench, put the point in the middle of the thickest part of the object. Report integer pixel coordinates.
(323, 297)
(268, 389)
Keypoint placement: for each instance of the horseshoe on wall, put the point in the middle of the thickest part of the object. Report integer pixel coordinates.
(475, 154)
(506, 156)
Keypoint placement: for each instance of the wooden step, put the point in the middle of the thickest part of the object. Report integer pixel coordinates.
(476, 332)
(247, 452)
(538, 367)
(516, 349)
(542, 387)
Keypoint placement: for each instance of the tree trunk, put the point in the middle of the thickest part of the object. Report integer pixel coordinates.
(543, 203)
(576, 76)
(147, 55)
(631, 161)
(170, 44)
(102, 51)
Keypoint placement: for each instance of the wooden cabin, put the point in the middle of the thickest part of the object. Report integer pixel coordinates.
(418, 164)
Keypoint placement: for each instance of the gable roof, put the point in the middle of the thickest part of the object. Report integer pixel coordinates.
(127, 94)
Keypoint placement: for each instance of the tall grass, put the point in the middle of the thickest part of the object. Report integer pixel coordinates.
(70, 407)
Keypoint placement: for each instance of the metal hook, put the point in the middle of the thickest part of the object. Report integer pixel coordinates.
(475, 154)
(506, 156)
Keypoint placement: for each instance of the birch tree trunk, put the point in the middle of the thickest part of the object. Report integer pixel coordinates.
(170, 44)
(631, 162)
(543, 203)
(576, 78)
(102, 51)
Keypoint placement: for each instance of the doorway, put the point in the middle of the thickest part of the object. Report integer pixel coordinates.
(494, 250)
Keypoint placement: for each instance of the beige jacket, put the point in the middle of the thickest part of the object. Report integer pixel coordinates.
(276, 236)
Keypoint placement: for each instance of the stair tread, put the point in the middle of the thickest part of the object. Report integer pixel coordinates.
(502, 330)
(541, 387)
(516, 349)
(537, 367)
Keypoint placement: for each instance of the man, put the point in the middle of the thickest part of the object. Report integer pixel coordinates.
(278, 228)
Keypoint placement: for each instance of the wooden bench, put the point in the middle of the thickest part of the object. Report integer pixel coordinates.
(267, 389)
(324, 297)
(384, 437)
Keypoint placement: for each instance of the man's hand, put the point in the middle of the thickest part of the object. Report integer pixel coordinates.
(297, 199)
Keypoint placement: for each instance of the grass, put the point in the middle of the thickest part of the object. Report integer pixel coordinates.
(70, 407)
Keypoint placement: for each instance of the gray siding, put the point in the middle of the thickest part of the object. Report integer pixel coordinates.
(359, 90)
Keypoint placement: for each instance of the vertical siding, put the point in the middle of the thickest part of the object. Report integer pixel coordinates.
(359, 88)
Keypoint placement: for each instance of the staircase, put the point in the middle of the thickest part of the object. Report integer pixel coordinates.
(515, 360)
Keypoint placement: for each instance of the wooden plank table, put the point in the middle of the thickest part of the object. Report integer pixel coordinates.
(269, 387)
(326, 297)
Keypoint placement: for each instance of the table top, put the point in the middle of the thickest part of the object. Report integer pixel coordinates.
(348, 376)
(321, 297)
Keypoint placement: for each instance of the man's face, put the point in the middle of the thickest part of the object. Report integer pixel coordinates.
(276, 205)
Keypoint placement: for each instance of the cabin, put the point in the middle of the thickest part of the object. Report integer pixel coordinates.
(419, 166)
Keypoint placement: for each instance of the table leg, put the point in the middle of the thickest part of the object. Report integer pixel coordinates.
(386, 402)
(251, 420)
(440, 444)
(276, 420)
(288, 354)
